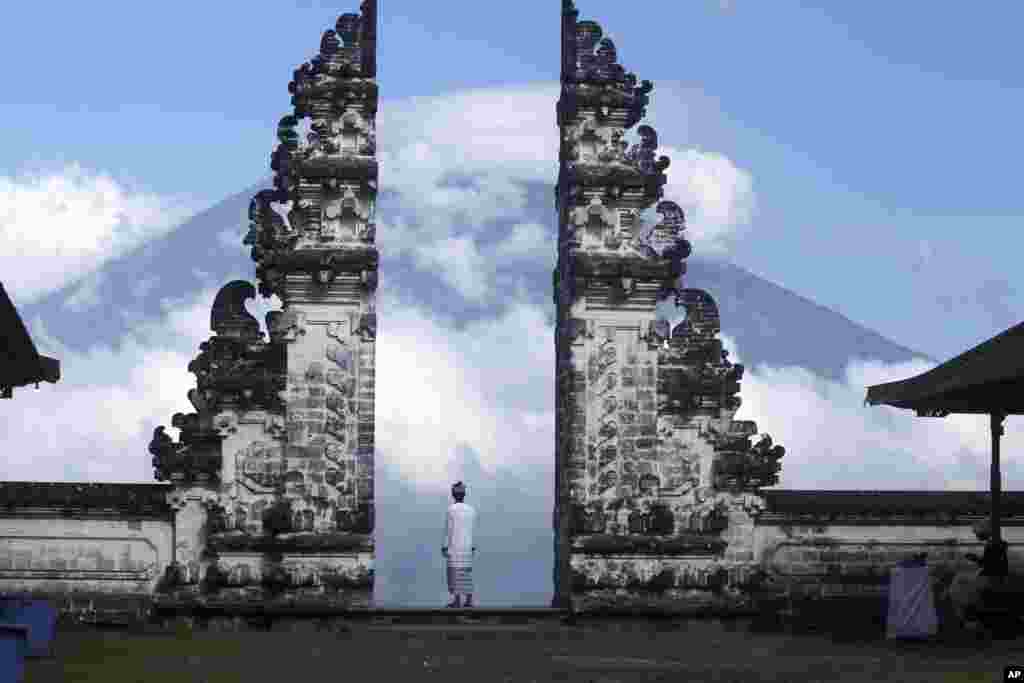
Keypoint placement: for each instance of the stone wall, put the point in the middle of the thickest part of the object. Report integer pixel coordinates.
(791, 546)
(844, 543)
(84, 543)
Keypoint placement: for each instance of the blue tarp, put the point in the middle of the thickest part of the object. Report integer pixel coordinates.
(911, 604)
(38, 615)
(13, 647)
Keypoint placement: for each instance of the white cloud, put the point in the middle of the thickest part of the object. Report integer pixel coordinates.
(57, 226)
(459, 162)
(717, 196)
(834, 441)
(528, 241)
(88, 293)
(458, 262)
(96, 423)
(472, 132)
(486, 387)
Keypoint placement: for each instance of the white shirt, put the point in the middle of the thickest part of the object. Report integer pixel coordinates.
(458, 534)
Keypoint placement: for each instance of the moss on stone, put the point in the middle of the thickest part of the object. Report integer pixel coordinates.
(688, 544)
(286, 543)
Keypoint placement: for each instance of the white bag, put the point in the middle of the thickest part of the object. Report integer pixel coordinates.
(911, 605)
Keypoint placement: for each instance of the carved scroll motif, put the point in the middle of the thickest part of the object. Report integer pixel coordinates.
(260, 467)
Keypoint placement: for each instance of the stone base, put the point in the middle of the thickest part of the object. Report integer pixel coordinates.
(658, 573)
(676, 585)
(329, 579)
(673, 602)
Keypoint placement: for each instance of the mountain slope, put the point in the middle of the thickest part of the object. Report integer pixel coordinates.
(777, 327)
(770, 324)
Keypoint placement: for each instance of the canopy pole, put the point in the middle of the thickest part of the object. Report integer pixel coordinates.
(997, 418)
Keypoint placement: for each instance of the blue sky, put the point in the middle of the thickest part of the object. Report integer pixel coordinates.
(863, 155)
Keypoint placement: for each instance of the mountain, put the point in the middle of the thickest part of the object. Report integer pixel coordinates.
(769, 323)
(777, 327)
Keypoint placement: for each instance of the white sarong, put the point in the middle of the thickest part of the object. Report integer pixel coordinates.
(458, 538)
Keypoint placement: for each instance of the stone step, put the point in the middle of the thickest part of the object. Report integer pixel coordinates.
(381, 616)
(464, 627)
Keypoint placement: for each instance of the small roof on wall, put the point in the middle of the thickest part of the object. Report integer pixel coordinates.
(20, 363)
(797, 502)
(988, 378)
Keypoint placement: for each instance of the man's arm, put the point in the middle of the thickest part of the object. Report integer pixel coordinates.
(447, 529)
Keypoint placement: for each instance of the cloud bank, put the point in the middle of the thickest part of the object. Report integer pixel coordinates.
(454, 164)
(58, 226)
(834, 441)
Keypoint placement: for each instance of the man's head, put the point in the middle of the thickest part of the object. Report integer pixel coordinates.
(459, 491)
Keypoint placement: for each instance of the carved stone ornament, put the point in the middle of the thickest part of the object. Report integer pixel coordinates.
(595, 218)
(177, 499)
(226, 424)
(327, 176)
(367, 329)
(229, 317)
(368, 278)
(274, 426)
(260, 467)
(324, 276)
(581, 328)
(286, 325)
(338, 330)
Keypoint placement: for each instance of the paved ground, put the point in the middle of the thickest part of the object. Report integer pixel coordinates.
(694, 651)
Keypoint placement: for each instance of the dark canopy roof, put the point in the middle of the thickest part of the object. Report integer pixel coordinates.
(988, 378)
(20, 363)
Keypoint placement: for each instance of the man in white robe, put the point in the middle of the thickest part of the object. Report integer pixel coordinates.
(458, 547)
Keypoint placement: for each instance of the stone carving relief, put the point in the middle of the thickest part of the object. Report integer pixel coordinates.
(590, 142)
(274, 426)
(260, 467)
(226, 424)
(338, 330)
(641, 154)
(366, 328)
(665, 239)
(595, 225)
(286, 325)
(346, 217)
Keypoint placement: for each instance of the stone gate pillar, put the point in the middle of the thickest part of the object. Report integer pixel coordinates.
(283, 438)
(650, 466)
(320, 258)
(611, 272)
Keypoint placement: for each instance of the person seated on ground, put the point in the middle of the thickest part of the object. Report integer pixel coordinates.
(993, 561)
(968, 586)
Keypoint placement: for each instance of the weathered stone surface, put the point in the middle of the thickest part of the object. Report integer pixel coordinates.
(646, 441)
(287, 456)
(84, 539)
